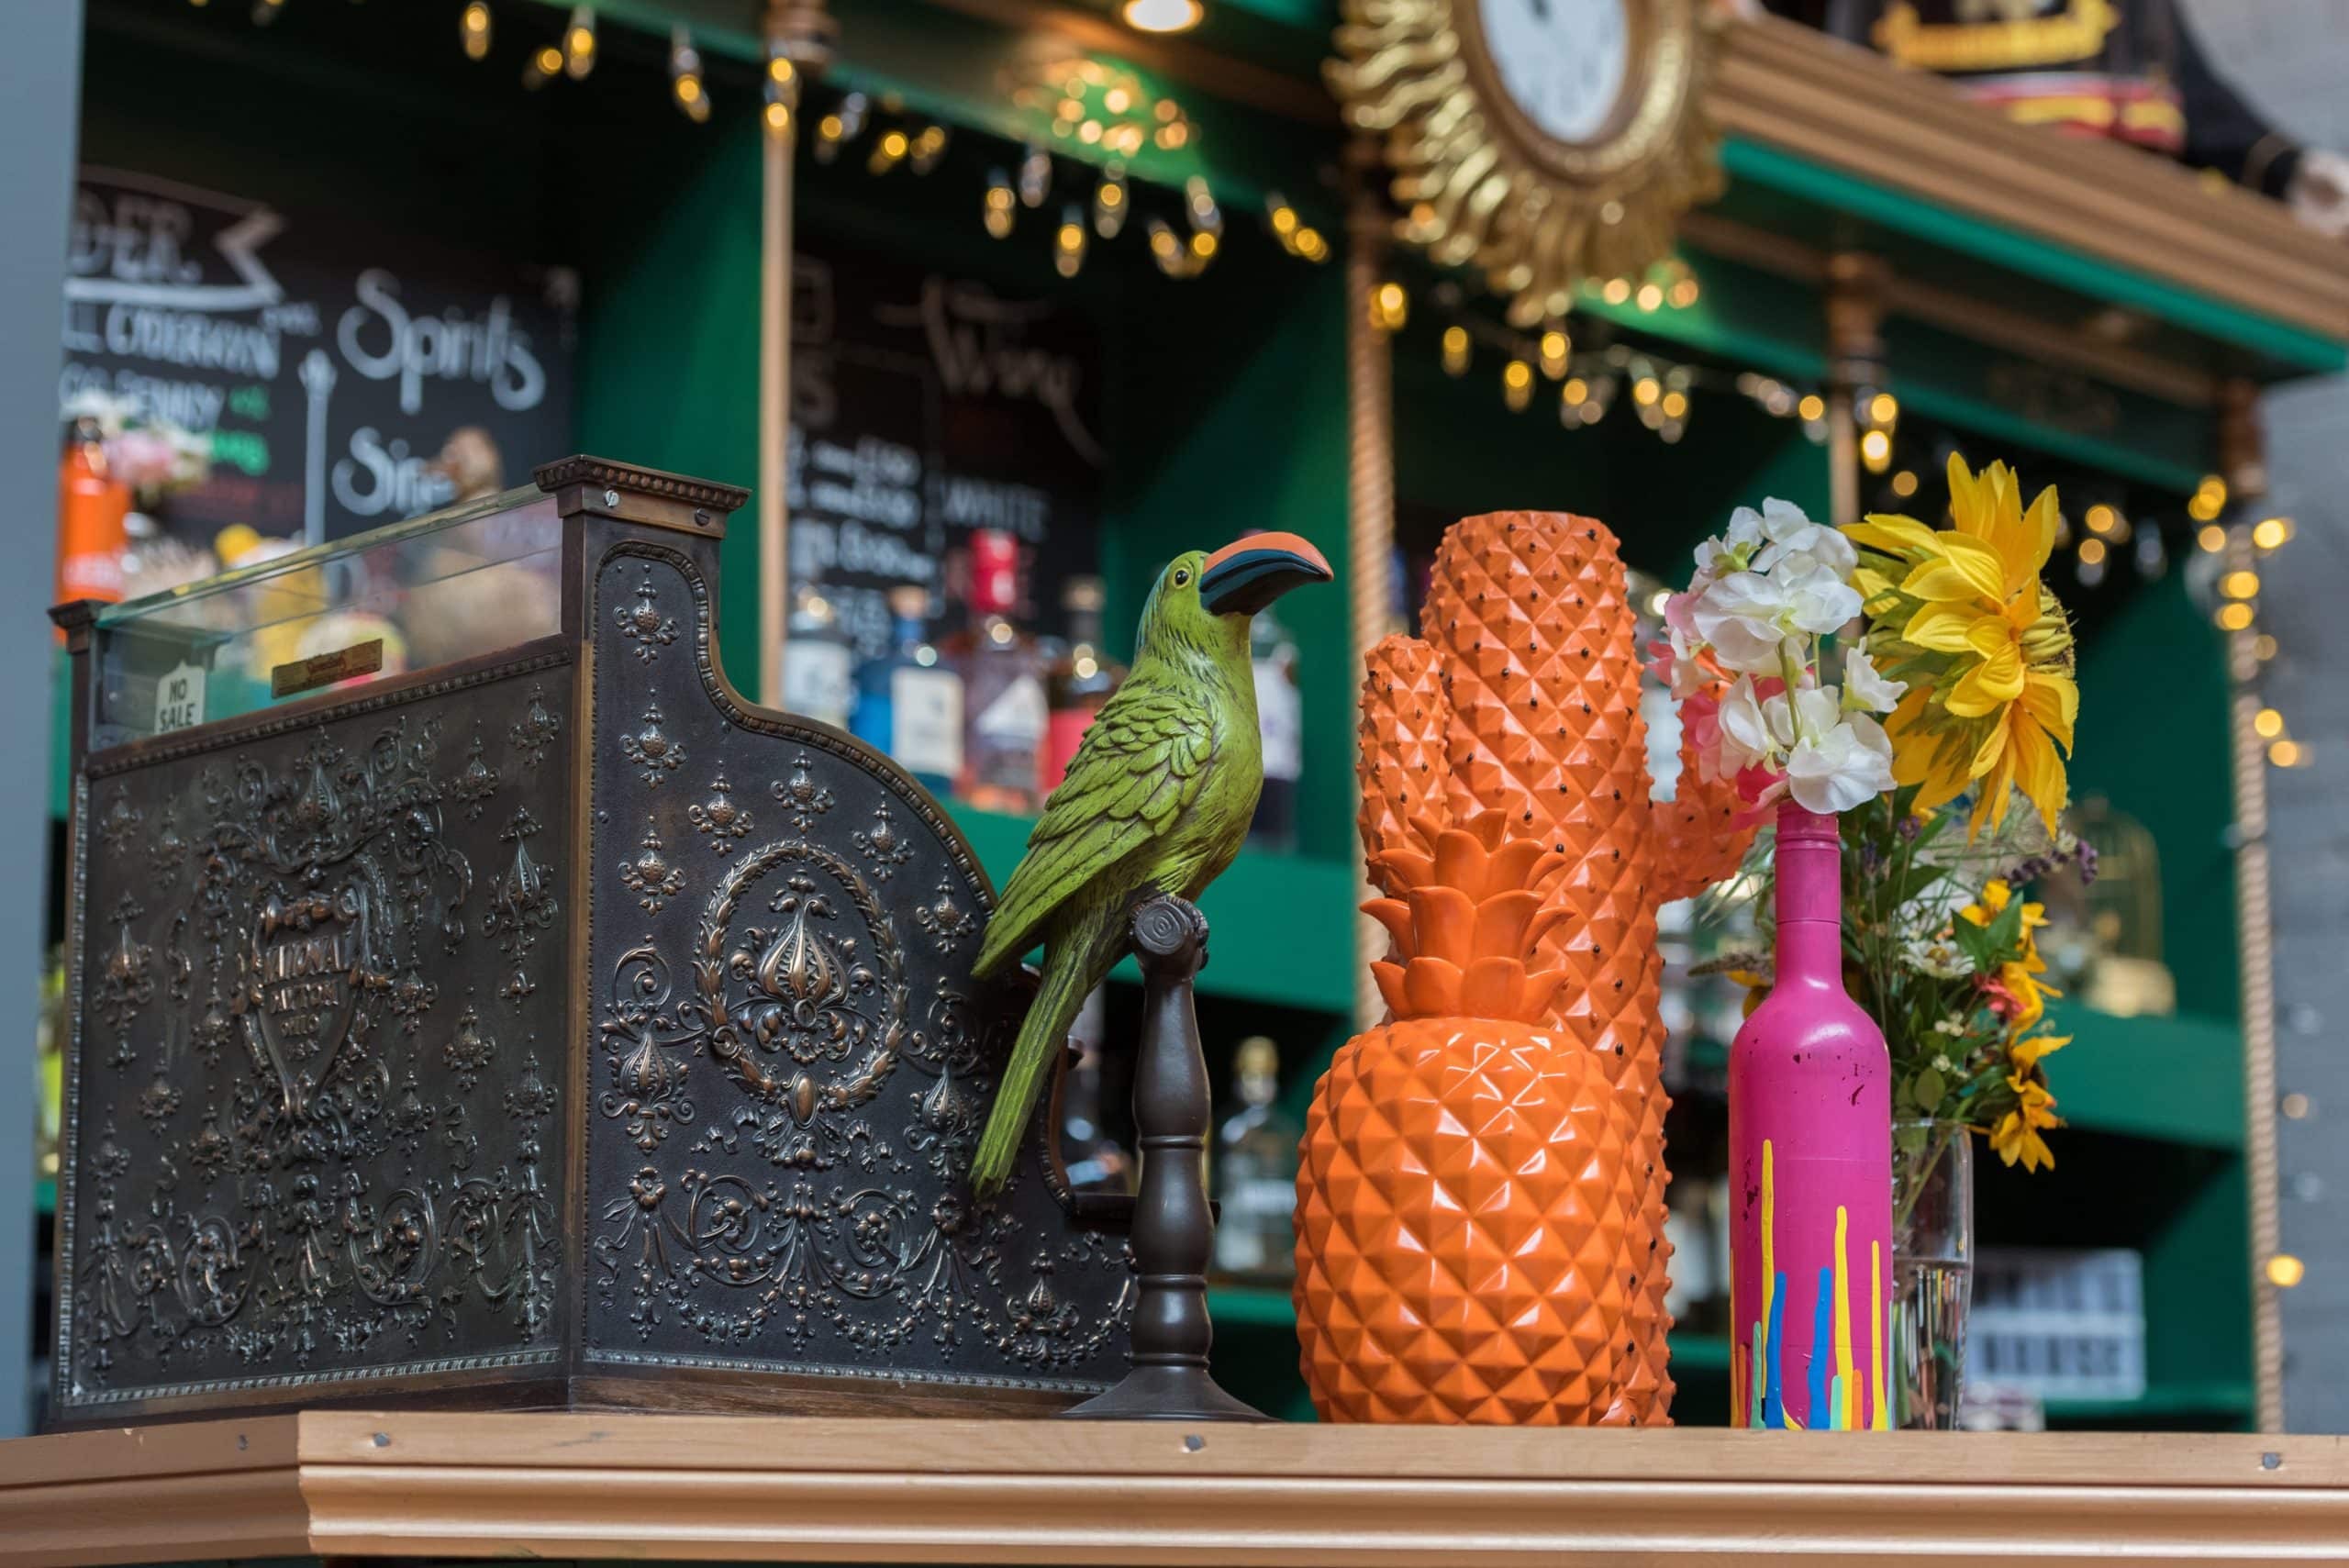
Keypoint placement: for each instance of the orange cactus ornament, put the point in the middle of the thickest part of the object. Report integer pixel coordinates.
(1520, 700)
(1462, 1234)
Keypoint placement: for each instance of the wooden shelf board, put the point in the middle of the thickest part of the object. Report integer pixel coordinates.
(746, 1488)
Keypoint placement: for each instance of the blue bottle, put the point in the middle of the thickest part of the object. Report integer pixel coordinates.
(910, 703)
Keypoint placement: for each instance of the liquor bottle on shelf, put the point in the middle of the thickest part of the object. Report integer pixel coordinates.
(1094, 1161)
(1003, 713)
(90, 507)
(1280, 718)
(816, 683)
(1080, 680)
(1255, 1173)
(910, 703)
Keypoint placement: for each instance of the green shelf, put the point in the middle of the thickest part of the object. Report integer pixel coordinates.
(2219, 1397)
(1241, 1307)
(1283, 928)
(2177, 1079)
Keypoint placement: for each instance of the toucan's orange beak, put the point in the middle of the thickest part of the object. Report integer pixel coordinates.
(1249, 574)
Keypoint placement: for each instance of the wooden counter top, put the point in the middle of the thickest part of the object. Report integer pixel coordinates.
(749, 1488)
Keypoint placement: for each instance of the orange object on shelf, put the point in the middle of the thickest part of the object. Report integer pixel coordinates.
(1461, 1233)
(91, 535)
(1522, 700)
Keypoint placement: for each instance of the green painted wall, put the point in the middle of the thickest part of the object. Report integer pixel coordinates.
(2153, 739)
(668, 358)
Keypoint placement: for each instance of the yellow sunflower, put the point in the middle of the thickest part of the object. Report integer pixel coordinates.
(1961, 616)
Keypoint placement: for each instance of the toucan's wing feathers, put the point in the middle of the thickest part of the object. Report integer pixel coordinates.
(1139, 764)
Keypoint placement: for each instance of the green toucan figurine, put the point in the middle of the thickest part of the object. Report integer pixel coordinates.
(1157, 799)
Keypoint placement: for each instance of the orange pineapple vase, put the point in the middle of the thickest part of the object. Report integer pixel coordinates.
(1480, 1203)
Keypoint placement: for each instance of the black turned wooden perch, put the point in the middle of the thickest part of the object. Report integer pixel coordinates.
(1174, 1230)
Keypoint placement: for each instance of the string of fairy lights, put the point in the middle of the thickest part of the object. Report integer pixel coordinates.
(1105, 109)
(1591, 381)
(1101, 108)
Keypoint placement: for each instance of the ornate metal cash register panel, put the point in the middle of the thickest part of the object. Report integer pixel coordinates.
(475, 999)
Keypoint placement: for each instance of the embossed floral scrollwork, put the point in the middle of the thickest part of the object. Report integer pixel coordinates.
(476, 781)
(803, 797)
(652, 748)
(643, 624)
(650, 875)
(536, 730)
(809, 992)
(719, 818)
(883, 844)
(641, 1036)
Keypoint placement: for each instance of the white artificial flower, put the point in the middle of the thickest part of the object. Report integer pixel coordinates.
(1834, 772)
(1745, 733)
(1818, 600)
(1746, 619)
(1940, 960)
(1800, 545)
(1941, 1063)
(1688, 676)
(1864, 687)
(1731, 551)
(1817, 706)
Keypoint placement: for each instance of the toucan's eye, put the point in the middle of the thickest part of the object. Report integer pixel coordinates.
(1181, 575)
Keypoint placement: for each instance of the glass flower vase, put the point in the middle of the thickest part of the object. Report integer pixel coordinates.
(1932, 1263)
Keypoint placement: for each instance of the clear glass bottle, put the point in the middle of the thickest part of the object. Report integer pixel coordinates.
(1003, 713)
(1280, 724)
(908, 702)
(1079, 681)
(816, 660)
(1255, 1173)
(1094, 1161)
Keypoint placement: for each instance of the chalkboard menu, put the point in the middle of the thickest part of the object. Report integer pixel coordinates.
(926, 405)
(327, 363)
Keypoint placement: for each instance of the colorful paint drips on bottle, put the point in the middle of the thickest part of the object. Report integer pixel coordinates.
(1810, 1166)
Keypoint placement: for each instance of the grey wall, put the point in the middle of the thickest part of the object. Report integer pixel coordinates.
(2291, 59)
(41, 76)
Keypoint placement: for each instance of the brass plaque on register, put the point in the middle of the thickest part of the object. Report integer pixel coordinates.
(298, 675)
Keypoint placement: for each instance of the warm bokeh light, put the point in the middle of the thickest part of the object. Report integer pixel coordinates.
(1163, 16)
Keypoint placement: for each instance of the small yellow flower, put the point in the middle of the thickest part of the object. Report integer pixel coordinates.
(2025, 1053)
(2016, 1138)
(1996, 896)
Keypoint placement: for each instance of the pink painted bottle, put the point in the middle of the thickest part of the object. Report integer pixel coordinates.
(1810, 1170)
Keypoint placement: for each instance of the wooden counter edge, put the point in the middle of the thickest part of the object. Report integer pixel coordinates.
(739, 1489)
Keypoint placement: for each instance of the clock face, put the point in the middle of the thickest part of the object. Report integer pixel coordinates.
(1565, 62)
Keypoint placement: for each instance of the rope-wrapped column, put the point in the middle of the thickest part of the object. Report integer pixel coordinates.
(1370, 470)
(2243, 459)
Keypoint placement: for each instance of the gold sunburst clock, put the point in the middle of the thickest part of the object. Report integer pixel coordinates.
(1544, 140)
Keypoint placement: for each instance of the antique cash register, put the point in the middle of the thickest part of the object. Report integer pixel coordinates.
(475, 999)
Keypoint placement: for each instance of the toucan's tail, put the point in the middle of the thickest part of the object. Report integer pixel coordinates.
(1058, 998)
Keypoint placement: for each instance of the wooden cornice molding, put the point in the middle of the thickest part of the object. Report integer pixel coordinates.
(754, 1489)
(1851, 110)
